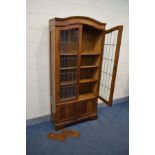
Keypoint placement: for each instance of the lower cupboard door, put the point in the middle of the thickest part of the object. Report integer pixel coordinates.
(85, 108)
(66, 112)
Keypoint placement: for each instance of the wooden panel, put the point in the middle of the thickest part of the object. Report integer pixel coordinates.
(75, 110)
(57, 64)
(52, 68)
(66, 112)
(86, 108)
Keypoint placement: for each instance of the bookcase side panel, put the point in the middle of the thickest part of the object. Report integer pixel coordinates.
(52, 69)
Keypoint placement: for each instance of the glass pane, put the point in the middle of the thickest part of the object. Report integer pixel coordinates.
(68, 75)
(68, 92)
(69, 42)
(108, 64)
(68, 61)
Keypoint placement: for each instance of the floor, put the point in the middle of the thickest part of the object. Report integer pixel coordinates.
(108, 135)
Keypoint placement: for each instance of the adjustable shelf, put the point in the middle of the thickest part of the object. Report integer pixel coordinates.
(68, 53)
(86, 96)
(90, 53)
(67, 83)
(66, 68)
(90, 66)
(88, 80)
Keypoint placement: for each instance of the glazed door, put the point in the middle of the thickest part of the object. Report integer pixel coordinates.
(68, 61)
(111, 48)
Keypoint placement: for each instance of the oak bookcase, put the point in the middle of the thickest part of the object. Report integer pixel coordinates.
(83, 66)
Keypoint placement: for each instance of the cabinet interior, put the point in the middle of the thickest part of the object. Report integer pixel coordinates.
(89, 63)
(91, 40)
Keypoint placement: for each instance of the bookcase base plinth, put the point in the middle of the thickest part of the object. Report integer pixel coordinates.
(62, 125)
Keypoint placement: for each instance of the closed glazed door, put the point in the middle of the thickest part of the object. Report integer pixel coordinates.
(68, 59)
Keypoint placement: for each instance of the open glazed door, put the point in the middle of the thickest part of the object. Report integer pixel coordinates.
(110, 58)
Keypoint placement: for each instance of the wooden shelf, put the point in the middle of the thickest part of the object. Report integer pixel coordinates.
(86, 96)
(88, 80)
(68, 53)
(90, 66)
(90, 53)
(68, 68)
(67, 83)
